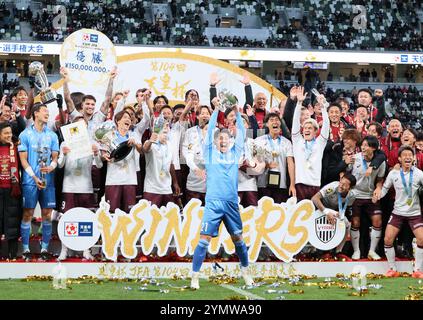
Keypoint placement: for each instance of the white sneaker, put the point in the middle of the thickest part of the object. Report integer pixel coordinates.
(356, 255)
(247, 277)
(373, 256)
(87, 255)
(63, 254)
(195, 280)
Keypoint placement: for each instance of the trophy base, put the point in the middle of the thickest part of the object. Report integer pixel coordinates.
(48, 96)
(273, 179)
(121, 151)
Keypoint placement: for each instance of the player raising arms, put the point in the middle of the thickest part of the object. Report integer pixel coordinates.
(221, 161)
(406, 182)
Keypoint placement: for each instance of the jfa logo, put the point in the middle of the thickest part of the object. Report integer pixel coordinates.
(85, 229)
(404, 58)
(71, 229)
(78, 229)
(90, 37)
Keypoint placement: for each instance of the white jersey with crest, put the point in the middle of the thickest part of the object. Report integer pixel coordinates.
(402, 207)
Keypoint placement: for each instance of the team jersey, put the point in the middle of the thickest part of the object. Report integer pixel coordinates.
(174, 141)
(124, 172)
(222, 168)
(402, 205)
(309, 154)
(283, 147)
(192, 150)
(94, 122)
(365, 186)
(77, 174)
(39, 147)
(329, 195)
(157, 169)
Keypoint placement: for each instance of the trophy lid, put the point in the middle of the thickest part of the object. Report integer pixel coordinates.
(35, 67)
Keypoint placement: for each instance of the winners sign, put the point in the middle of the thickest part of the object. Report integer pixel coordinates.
(284, 228)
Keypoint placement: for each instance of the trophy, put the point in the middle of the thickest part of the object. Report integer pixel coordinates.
(227, 100)
(199, 160)
(273, 175)
(36, 70)
(263, 153)
(42, 161)
(109, 142)
(317, 93)
(159, 124)
(258, 151)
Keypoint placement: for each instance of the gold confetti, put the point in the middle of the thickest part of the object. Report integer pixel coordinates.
(413, 296)
(415, 288)
(236, 298)
(360, 293)
(223, 279)
(373, 276)
(298, 291)
(405, 274)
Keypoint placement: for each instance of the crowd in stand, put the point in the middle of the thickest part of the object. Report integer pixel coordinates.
(236, 41)
(8, 84)
(391, 25)
(400, 34)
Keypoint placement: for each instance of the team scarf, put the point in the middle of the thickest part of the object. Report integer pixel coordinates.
(14, 172)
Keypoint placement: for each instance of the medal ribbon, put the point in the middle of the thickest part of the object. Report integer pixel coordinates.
(164, 155)
(365, 166)
(408, 190)
(342, 208)
(309, 148)
(273, 145)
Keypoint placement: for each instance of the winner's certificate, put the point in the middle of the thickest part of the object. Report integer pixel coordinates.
(78, 140)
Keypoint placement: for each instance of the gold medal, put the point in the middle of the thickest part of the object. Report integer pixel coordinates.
(162, 174)
(409, 201)
(77, 172)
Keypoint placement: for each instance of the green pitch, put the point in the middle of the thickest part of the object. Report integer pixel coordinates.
(314, 289)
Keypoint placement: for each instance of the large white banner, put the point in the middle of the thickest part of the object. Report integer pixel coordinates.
(173, 73)
(166, 73)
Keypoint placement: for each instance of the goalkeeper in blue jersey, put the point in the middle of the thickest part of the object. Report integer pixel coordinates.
(222, 156)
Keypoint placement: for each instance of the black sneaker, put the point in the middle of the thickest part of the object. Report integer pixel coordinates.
(45, 255)
(26, 256)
